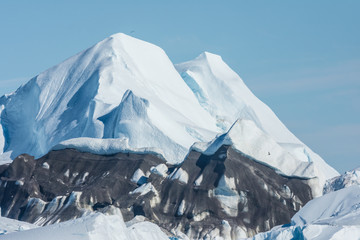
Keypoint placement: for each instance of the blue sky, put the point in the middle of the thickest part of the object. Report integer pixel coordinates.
(302, 58)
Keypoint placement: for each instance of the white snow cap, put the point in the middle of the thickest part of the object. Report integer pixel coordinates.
(125, 94)
(121, 87)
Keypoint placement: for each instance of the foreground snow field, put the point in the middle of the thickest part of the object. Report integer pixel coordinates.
(8, 225)
(96, 226)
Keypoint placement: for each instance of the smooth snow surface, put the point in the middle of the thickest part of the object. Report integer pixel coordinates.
(160, 169)
(96, 226)
(337, 208)
(180, 175)
(333, 216)
(225, 96)
(8, 225)
(347, 179)
(124, 94)
(106, 146)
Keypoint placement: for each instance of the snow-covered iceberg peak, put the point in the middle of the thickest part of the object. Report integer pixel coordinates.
(123, 87)
(70, 99)
(225, 96)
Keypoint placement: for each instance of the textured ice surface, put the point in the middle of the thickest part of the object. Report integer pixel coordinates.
(246, 137)
(347, 179)
(335, 215)
(227, 195)
(144, 189)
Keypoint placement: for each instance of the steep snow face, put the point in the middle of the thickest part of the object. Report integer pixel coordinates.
(347, 179)
(333, 216)
(87, 96)
(222, 93)
(96, 226)
(246, 137)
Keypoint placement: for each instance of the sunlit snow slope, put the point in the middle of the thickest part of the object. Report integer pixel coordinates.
(225, 96)
(128, 90)
(120, 88)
